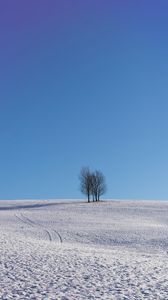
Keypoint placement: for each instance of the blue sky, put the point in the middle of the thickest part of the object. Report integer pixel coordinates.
(83, 83)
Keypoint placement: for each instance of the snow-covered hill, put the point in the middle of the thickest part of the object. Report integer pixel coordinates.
(64, 250)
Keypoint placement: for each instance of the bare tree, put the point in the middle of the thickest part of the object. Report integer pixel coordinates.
(98, 184)
(94, 187)
(86, 182)
(92, 184)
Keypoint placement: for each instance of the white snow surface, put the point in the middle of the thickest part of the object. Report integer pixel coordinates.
(64, 250)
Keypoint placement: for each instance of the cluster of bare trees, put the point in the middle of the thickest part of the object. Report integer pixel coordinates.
(92, 184)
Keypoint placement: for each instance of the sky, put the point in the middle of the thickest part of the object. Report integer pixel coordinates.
(83, 83)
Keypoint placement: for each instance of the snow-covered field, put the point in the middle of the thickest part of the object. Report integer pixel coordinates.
(59, 250)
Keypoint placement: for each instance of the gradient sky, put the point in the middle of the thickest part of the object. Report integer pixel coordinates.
(83, 83)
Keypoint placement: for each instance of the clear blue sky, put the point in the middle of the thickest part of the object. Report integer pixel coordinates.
(83, 83)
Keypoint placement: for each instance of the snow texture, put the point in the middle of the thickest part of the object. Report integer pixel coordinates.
(75, 250)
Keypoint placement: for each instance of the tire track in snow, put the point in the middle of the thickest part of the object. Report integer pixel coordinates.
(30, 222)
(49, 234)
(60, 237)
(22, 220)
(37, 224)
